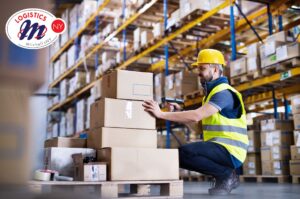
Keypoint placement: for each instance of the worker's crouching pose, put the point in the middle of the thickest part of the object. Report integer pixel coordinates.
(224, 126)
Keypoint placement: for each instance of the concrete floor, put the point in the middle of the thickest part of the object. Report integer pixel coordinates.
(199, 190)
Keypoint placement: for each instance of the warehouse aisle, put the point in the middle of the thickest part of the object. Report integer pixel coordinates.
(246, 190)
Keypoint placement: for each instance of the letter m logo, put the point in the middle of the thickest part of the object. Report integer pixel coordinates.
(29, 31)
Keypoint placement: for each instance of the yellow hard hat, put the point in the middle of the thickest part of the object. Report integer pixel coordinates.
(209, 56)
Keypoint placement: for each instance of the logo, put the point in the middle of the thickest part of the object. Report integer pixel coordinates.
(34, 28)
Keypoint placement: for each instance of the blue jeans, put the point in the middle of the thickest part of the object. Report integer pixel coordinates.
(206, 157)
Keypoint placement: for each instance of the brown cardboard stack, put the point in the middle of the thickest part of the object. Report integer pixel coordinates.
(277, 48)
(238, 67)
(252, 164)
(295, 149)
(276, 138)
(125, 134)
(181, 83)
(253, 59)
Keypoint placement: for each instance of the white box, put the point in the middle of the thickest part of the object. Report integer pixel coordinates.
(71, 56)
(60, 158)
(80, 115)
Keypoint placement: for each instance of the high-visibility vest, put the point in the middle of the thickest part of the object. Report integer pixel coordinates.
(230, 133)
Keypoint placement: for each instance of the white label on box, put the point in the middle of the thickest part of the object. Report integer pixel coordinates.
(275, 149)
(276, 165)
(157, 81)
(269, 139)
(270, 48)
(277, 172)
(252, 64)
(237, 66)
(275, 156)
(128, 110)
(170, 82)
(252, 172)
(251, 143)
(281, 53)
(251, 165)
(250, 148)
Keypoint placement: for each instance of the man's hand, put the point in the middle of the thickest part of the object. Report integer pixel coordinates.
(152, 107)
(173, 107)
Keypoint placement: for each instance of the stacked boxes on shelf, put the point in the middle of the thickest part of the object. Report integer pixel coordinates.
(181, 83)
(276, 139)
(159, 87)
(124, 134)
(295, 149)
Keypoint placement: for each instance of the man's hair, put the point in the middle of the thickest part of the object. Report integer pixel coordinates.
(220, 68)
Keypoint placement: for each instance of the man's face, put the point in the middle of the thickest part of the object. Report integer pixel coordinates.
(205, 72)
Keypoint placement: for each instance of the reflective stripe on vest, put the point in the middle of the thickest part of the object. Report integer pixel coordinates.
(230, 142)
(229, 128)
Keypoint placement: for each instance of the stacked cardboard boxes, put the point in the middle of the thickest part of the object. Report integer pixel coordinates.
(276, 138)
(181, 83)
(124, 134)
(295, 149)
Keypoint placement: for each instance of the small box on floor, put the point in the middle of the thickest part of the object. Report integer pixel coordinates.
(90, 172)
(60, 159)
(140, 163)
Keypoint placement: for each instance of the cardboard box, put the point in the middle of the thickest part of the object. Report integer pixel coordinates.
(295, 152)
(118, 113)
(274, 124)
(96, 91)
(146, 37)
(140, 164)
(159, 85)
(297, 138)
(124, 84)
(296, 118)
(253, 64)
(170, 89)
(266, 154)
(120, 137)
(281, 36)
(70, 119)
(60, 159)
(267, 167)
(80, 115)
(278, 138)
(288, 51)
(294, 167)
(254, 141)
(275, 167)
(238, 67)
(90, 172)
(280, 153)
(295, 102)
(66, 142)
(281, 167)
(253, 50)
(185, 82)
(252, 164)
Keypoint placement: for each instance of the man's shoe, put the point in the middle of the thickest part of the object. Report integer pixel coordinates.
(236, 180)
(218, 188)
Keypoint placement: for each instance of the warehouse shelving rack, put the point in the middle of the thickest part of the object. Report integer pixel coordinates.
(241, 25)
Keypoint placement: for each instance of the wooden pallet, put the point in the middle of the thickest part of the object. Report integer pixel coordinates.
(281, 66)
(249, 76)
(265, 178)
(114, 189)
(296, 179)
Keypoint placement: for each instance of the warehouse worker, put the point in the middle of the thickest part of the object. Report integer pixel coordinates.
(224, 126)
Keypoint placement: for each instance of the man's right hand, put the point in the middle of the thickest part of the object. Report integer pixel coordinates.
(173, 107)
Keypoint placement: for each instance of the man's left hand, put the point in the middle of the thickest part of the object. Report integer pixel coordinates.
(152, 107)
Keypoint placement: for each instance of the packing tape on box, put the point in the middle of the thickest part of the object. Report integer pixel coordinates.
(45, 175)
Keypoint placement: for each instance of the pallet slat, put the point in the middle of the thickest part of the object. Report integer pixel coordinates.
(265, 178)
